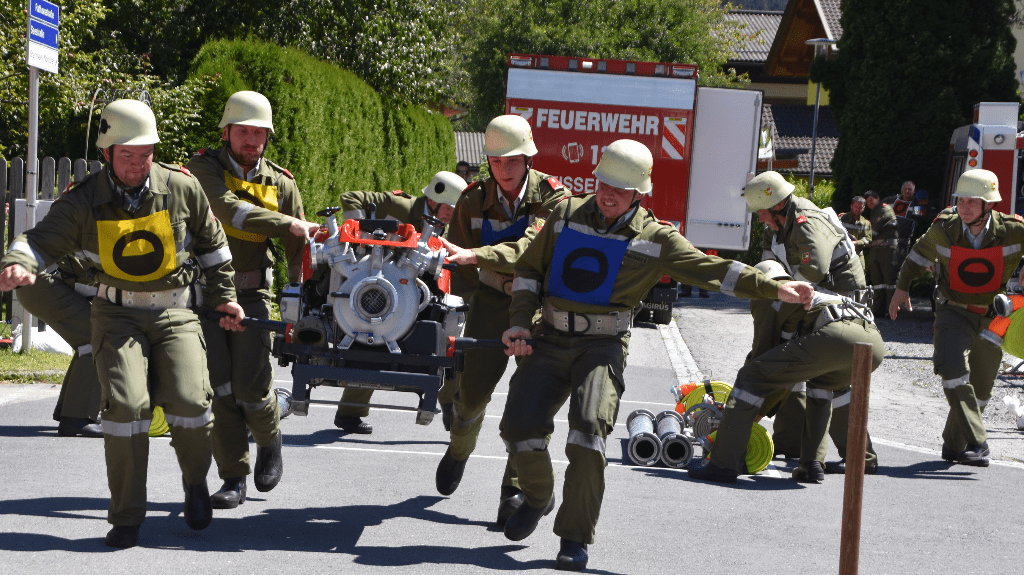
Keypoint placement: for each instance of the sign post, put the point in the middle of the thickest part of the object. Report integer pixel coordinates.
(40, 54)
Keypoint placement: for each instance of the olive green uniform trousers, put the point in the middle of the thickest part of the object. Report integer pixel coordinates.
(882, 277)
(487, 318)
(823, 359)
(588, 372)
(788, 425)
(146, 358)
(968, 366)
(69, 314)
(242, 377)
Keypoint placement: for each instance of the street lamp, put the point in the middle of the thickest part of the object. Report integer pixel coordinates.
(821, 47)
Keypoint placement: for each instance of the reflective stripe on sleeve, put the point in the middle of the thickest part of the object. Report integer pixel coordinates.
(523, 284)
(243, 212)
(539, 444)
(476, 223)
(84, 349)
(24, 248)
(214, 258)
(352, 215)
(586, 441)
(467, 422)
(982, 403)
(222, 390)
(956, 382)
(731, 277)
(126, 429)
(85, 255)
(799, 387)
(918, 259)
(188, 422)
(746, 397)
(943, 251)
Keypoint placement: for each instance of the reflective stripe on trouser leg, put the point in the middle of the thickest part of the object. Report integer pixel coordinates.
(355, 395)
(968, 367)
(487, 319)
(839, 427)
(785, 365)
(813, 445)
(788, 424)
(241, 376)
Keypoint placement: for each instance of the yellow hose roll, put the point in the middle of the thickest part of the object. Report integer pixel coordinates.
(1013, 341)
(760, 449)
(158, 425)
(719, 390)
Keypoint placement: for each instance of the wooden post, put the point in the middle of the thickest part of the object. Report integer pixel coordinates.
(856, 451)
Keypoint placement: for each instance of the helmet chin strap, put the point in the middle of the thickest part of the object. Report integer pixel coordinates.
(775, 214)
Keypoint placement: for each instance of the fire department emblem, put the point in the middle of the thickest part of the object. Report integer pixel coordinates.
(805, 257)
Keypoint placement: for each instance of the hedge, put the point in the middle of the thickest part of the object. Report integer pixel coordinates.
(332, 131)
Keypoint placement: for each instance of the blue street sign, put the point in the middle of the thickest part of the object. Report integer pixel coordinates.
(42, 34)
(45, 12)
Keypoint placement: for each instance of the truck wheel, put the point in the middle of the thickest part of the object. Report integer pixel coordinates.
(642, 316)
(662, 316)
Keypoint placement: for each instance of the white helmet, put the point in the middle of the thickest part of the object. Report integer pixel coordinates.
(981, 184)
(509, 135)
(248, 109)
(773, 269)
(765, 190)
(445, 188)
(127, 123)
(626, 164)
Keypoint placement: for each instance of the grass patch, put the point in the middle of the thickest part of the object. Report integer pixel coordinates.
(33, 367)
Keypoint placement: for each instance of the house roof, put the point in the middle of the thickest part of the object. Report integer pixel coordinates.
(803, 20)
(759, 29)
(469, 147)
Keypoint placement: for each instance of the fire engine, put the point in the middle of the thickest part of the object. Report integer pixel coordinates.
(993, 142)
(704, 140)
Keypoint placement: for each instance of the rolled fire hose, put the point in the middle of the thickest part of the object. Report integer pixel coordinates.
(718, 390)
(676, 449)
(158, 424)
(760, 449)
(644, 445)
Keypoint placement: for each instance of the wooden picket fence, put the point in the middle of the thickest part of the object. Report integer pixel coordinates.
(54, 178)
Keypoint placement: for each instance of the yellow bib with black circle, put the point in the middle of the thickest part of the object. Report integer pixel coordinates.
(138, 250)
(257, 194)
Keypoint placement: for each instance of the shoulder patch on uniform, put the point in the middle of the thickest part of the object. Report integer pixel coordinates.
(801, 219)
(473, 186)
(184, 170)
(805, 257)
(1018, 217)
(287, 173)
(200, 152)
(397, 192)
(554, 183)
(563, 198)
(538, 224)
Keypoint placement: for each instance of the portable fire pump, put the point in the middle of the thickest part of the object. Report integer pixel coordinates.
(373, 311)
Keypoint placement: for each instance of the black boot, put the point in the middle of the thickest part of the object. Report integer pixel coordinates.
(449, 473)
(122, 536)
(231, 494)
(711, 472)
(269, 466)
(352, 424)
(79, 427)
(524, 521)
(572, 556)
(511, 499)
(809, 473)
(839, 467)
(198, 508)
(975, 455)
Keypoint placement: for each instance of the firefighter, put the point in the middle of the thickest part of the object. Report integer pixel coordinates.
(585, 272)
(145, 233)
(494, 221)
(438, 200)
(858, 227)
(772, 328)
(59, 300)
(255, 200)
(882, 255)
(812, 245)
(976, 249)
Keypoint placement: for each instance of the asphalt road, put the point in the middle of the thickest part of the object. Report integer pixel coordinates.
(357, 504)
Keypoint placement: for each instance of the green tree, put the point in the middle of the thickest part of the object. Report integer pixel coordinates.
(906, 73)
(404, 49)
(690, 31)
